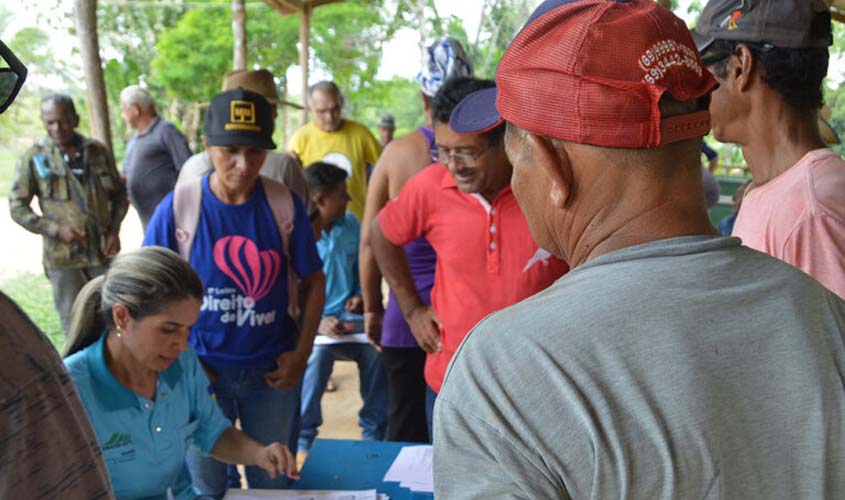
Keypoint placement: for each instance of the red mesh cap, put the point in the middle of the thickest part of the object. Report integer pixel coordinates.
(593, 72)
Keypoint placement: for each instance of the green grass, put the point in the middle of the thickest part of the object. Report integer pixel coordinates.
(35, 296)
(8, 159)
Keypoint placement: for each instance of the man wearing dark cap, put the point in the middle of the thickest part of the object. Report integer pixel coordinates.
(281, 167)
(638, 375)
(770, 58)
(244, 336)
(465, 208)
(386, 127)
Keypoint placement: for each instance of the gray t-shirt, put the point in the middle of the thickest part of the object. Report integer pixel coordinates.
(280, 167)
(689, 368)
(152, 164)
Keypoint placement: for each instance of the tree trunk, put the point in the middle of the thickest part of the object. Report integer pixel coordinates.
(239, 34)
(98, 108)
(304, 42)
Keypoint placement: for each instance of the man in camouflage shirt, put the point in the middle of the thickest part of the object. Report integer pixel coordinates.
(82, 199)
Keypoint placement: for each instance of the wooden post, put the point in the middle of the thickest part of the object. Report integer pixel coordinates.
(239, 34)
(98, 108)
(304, 41)
(284, 119)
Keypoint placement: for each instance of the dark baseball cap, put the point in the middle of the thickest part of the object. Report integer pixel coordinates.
(239, 117)
(791, 24)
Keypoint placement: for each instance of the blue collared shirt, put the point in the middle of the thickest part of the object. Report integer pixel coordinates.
(144, 441)
(338, 249)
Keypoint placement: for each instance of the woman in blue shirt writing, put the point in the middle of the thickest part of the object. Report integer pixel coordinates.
(145, 392)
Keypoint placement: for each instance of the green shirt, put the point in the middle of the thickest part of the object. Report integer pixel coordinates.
(96, 202)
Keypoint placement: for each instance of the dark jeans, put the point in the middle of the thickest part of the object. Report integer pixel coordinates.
(406, 417)
(67, 282)
(267, 415)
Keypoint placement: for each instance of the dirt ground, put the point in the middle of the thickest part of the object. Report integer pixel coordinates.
(21, 253)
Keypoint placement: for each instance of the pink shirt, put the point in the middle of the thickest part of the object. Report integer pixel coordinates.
(799, 217)
(486, 257)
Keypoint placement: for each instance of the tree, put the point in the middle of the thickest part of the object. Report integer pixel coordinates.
(128, 33)
(835, 91)
(85, 12)
(239, 46)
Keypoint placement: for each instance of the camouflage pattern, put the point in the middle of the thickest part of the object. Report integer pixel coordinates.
(98, 204)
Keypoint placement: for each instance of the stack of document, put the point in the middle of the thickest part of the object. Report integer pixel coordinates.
(304, 495)
(412, 469)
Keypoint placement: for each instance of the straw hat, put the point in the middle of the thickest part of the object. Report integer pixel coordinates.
(259, 81)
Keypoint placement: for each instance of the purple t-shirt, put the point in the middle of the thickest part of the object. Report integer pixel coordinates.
(421, 260)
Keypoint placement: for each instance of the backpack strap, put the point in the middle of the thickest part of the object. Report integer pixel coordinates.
(186, 214)
(281, 205)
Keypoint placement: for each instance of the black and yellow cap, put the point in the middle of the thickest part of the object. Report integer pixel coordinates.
(239, 117)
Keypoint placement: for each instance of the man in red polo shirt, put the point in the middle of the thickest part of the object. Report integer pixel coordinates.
(464, 206)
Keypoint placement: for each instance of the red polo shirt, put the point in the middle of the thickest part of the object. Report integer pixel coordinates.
(486, 257)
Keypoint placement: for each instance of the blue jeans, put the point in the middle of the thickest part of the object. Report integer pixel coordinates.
(373, 415)
(267, 415)
(430, 398)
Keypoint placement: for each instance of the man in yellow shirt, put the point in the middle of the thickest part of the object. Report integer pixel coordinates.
(334, 139)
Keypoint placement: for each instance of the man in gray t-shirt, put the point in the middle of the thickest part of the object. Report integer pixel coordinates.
(670, 363)
(154, 155)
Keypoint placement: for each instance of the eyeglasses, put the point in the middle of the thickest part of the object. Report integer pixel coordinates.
(11, 78)
(445, 156)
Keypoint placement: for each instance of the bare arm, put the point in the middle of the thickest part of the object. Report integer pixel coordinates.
(235, 447)
(394, 264)
(370, 275)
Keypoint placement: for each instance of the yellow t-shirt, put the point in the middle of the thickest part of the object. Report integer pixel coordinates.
(352, 148)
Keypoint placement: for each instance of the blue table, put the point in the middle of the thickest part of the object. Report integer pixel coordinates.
(354, 465)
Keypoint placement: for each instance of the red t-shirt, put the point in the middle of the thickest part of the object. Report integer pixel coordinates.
(486, 257)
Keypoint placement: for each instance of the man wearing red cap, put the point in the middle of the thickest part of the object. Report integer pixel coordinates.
(638, 375)
(464, 206)
(770, 64)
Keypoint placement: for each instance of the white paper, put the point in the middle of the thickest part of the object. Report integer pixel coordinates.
(349, 338)
(303, 495)
(412, 469)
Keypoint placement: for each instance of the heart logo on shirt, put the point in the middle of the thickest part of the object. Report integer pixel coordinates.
(253, 272)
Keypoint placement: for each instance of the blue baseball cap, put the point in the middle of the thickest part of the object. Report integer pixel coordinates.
(476, 113)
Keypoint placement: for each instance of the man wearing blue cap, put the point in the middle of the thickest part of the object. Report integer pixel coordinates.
(403, 359)
(671, 362)
(251, 346)
(464, 206)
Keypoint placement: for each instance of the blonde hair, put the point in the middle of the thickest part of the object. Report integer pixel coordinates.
(145, 280)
